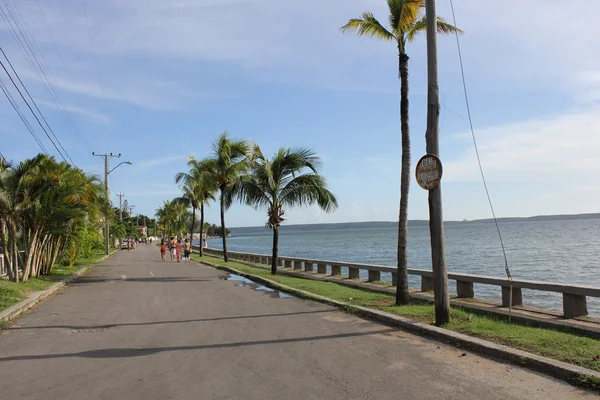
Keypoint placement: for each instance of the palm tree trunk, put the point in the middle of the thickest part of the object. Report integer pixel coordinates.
(402, 294)
(201, 227)
(31, 249)
(275, 250)
(192, 229)
(15, 250)
(4, 242)
(225, 258)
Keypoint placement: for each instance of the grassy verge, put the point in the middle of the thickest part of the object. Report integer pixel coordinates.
(12, 293)
(563, 346)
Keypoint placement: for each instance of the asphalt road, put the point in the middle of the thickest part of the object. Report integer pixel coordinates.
(139, 328)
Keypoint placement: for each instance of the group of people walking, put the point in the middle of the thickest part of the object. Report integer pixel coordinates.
(175, 248)
(132, 242)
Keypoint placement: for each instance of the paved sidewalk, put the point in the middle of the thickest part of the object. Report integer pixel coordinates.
(139, 328)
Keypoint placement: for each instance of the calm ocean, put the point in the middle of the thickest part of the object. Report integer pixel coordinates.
(566, 251)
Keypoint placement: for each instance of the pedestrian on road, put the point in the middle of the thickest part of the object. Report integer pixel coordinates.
(163, 251)
(178, 250)
(186, 250)
(172, 248)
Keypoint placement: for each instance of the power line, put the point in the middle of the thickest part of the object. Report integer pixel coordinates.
(30, 109)
(81, 138)
(23, 119)
(35, 104)
(49, 78)
(52, 81)
(487, 192)
(18, 33)
(93, 51)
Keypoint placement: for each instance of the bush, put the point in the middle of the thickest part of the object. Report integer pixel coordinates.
(90, 242)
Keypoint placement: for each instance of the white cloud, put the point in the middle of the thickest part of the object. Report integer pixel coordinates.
(89, 114)
(140, 43)
(560, 148)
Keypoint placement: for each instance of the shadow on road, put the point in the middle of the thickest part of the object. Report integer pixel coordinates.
(109, 326)
(125, 353)
(83, 281)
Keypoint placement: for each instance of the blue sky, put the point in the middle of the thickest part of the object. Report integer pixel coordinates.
(175, 74)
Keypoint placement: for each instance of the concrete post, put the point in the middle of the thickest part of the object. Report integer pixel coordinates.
(465, 289)
(517, 297)
(574, 305)
(353, 273)
(426, 284)
(308, 266)
(298, 265)
(288, 263)
(280, 262)
(336, 270)
(374, 275)
(394, 278)
(322, 269)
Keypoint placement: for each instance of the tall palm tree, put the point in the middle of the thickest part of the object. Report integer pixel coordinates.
(406, 20)
(198, 188)
(225, 167)
(166, 218)
(19, 188)
(289, 179)
(45, 206)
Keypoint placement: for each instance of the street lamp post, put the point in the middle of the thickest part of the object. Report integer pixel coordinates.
(106, 173)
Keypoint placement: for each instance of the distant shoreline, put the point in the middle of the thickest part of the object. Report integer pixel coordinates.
(414, 222)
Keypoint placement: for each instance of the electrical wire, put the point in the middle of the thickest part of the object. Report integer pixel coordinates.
(487, 192)
(35, 104)
(31, 109)
(49, 75)
(23, 119)
(40, 60)
(81, 137)
(26, 42)
(93, 50)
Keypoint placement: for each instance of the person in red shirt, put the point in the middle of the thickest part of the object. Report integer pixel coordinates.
(163, 251)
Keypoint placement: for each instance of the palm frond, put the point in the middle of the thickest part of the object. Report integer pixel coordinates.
(447, 28)
(421, 26)
(368, 25)
(403, 13)
(307, 189)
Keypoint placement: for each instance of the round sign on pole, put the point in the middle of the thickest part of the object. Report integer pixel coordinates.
(429, 172)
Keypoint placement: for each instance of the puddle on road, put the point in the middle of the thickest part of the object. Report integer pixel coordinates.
(276, 294)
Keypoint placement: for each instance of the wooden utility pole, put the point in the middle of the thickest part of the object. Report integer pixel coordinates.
(436, 223)
(121, 206)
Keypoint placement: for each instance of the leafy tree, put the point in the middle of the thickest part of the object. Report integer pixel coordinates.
(407, 20)
(226, 166)
(289, 179)
(48, 209)
(198, 187)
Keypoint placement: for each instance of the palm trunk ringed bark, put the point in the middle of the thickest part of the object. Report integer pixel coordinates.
(402, 294)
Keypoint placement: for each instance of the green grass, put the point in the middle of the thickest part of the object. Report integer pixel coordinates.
(563, 346)
(12, 293)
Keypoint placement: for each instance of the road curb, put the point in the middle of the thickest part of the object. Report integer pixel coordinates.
(575, 375)
(18, 309)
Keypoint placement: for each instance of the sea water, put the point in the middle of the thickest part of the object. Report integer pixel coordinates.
(564, 251)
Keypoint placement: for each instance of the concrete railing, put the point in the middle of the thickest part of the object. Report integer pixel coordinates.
(4, 265)
(574, 296)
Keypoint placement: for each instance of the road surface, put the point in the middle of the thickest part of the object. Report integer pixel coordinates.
(139, 328)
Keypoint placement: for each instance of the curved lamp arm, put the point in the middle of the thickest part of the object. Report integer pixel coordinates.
(124, 162)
